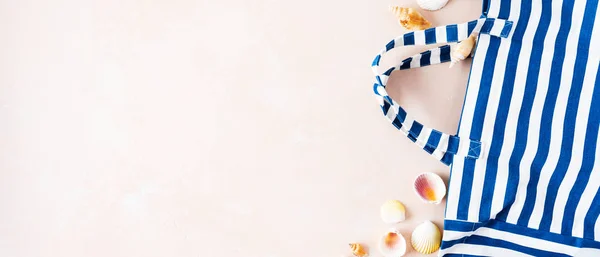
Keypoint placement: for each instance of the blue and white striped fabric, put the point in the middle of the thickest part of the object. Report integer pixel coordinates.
(525, 164)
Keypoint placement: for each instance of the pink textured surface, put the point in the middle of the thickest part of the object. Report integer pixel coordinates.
(208, 128)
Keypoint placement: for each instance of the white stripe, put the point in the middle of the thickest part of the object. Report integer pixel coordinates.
(416, 61)
(587, 196)
(463, 147)
(465, 126)
(536, 113)
(423, 136)
(435, 56)
(498, 26)
(482, 250)
(440, 34)
(580, 130)
(558, 118)
(399, 41)
(419, 37)
(522, 240)
(442, 146)
(462, 31)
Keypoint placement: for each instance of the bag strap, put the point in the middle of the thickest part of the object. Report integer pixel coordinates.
(440, 145)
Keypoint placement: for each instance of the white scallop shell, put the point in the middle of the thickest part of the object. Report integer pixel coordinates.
(430, 187)
(397, 250)
(393, 211)
(426, 238)
(432, 5)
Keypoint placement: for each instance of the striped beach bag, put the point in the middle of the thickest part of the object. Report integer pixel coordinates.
(525, 162)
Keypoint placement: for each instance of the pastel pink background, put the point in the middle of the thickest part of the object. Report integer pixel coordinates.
(209, 128)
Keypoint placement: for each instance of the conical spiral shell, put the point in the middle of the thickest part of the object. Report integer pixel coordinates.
(410, 18)
(463, 49)
(358, 250)
(432, 5)
(426, 238)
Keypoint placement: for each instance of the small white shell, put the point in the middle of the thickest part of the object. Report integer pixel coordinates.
(426, 238)
(392, 244)
(430, 187)
(432, 5)
(393, 211)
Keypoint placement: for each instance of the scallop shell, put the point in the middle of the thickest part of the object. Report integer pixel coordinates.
(410, 18)
(392, 244)
(393, 211)
(430, 187)
(463, 49)
(426, 238)
(358, 250)
(432, 5)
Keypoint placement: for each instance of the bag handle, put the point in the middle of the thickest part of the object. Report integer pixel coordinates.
(440, 145)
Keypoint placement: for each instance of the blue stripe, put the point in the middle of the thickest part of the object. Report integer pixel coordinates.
(376, 60)
(390, 45)
(547, 113)
(525, 113)
(416, 128)
(464, 200)
(491, 170)
(453, 144)
(434, 138)
(425, 58)
(389, 71)
(452, 33)
(409, 38)
(447, 158)
(386, 107)
(401, 114)
(488, 24)
(570, 116)
(406, 64)
(430, 37)
(397, 123)
(445, 54)
(470, 27)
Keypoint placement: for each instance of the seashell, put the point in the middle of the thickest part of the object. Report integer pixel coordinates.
(432, 5)
(463, 49)
(410, 18)
(430, 187)
(392, 244)
(358, 250)
(393, 211)
(426, 238)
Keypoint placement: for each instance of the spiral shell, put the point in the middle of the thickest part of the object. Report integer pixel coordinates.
(393, 211)
(392, 244)
(358, 250)
(410, 18)
(430, 187)
(426, 238)
(432, 5)
(463, 49)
